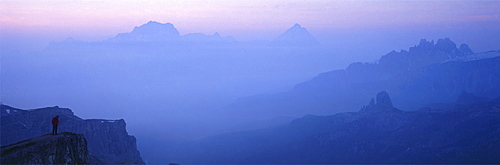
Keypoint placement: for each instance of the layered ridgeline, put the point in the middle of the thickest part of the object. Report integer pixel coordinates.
(465, 131)
(108, 140)
(165, 34)
(428, 73)
(65, 148)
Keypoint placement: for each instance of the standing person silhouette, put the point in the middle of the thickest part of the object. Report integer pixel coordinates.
(55, 122)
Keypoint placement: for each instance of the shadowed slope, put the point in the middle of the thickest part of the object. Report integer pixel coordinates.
(65, 148)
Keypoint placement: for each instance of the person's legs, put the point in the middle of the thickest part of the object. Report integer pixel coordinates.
(54, 130)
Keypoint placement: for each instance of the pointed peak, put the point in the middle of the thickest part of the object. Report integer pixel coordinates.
(296, 25)
(216, 34)
(383, 99)
(445, 41)
(297, 36)
(465, 48)
(425, 43)
(380, 104)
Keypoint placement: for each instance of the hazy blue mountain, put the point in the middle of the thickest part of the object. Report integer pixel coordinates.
(155, 34)
(424, 53)
(296, 36)
(379, 133)
(152, 34)
(149, 32)
(427, 73)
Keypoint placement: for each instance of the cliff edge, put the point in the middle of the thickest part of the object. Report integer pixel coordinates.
(65, 148)
(108, 140)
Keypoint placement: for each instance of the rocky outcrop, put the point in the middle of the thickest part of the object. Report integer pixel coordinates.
(383, 103)
(425, 53)
(65, 148)
(383, 100)
(459, 133)
(108, 140)
(465, 49)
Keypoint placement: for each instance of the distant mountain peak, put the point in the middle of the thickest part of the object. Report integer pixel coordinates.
(383, 100)
(381, 103)
(296, 29)
(151, 31)
(425, 53)
(296, 36)
(296, 25)
(156, 28)
(465, 48)
(154, 31)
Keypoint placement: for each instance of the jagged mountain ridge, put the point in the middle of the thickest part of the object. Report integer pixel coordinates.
(166, 34)
(425, 53)
(158, 32)
(425, 74)
(378, 133)
(64, 148)
(108, 140)
(151, 31)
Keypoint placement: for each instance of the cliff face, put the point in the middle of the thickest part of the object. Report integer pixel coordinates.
(65, 148)
(108, 140)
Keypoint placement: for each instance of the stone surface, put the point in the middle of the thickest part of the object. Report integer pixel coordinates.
(65, 148)
(108, 140)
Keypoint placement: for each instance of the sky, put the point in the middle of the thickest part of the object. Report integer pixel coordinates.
(27, 24)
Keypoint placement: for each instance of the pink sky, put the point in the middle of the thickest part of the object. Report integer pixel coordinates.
(90, 20)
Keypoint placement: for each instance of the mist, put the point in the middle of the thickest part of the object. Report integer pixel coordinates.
(184, 90)
(244, 87)
(126, 81)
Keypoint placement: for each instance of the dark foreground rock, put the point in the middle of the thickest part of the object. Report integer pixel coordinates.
(65, 148)
(108, 140)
